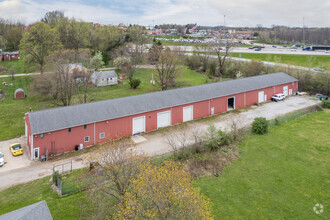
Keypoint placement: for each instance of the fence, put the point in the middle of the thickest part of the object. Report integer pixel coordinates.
(63, 168)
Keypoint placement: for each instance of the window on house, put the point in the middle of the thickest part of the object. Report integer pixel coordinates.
(69, 130)
(86, 139)
(41, 135)
(102, 135)
(85, 126)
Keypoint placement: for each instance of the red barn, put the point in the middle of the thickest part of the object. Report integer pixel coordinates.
(59, 130)
(10, 56)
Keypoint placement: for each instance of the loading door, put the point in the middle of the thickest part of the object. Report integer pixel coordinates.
(163, 119)
(261, 96)
(188, 113)
(139, 125)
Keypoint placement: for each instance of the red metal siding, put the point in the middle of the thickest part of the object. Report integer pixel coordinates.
(122, 127)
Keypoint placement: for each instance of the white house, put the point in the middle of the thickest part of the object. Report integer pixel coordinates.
(105, 78)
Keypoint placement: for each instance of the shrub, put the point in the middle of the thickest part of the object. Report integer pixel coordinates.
(56, 176)
(326, 103)
(260, 125)
(134, 83)
(214, 139)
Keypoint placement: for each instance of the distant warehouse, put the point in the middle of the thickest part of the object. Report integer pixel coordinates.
(63, 129)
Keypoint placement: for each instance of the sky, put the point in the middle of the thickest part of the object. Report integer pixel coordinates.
(237, 13)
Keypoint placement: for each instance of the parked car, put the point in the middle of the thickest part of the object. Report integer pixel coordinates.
(2, 160)
(278, 97)
(258, 49)
(317, 69)
(16, 149)
(251, 47)
(274, 46)
(320, 96)
(327, 51)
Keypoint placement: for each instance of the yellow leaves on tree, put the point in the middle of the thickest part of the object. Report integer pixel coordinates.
(163, 192)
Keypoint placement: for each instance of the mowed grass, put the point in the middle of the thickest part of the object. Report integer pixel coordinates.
(322, 61)
(26, 194)
(281, 175)
(12, 111)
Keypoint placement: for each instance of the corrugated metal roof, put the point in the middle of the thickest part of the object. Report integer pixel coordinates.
(71, 116)
(36, 211)
(104, 74)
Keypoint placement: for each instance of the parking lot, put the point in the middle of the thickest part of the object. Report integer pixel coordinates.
(14, 162)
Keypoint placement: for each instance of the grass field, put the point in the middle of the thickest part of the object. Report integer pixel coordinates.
(12, 111)
(281, 175)
(297, 60)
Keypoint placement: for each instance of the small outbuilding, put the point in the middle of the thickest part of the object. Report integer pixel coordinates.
(105, 78)
(19, 94)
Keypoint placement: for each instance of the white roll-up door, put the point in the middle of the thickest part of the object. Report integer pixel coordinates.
(188, 113)
(139, 125)
(163, 119)
(285, 90)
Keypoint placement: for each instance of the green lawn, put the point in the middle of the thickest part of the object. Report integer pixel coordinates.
(12, 111)
(26, 194)
(18, 64)
(298, 60)
(281, 175)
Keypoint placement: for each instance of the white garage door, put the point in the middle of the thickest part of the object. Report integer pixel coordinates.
(188, 113)
(285, 90)
(163, 119)
(261, 96)
(139, 125)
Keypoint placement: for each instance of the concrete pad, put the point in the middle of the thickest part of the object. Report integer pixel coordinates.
(138, 139)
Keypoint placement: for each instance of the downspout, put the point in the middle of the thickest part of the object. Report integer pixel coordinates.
(94, 133)
(244, 99)
(209, 107)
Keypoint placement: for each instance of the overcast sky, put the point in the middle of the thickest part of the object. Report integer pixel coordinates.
(238, 13)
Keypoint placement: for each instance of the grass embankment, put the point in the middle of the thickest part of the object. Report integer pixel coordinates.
(12, 111)
(311, 61)
(281, 175)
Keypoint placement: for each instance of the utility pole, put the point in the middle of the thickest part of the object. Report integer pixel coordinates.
(224, 20)
(304, 32)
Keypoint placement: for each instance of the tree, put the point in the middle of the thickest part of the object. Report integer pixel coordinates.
(14, 36)
(38, 43)
(53, 17)
(96, 61)
(12, 70)
(167, 68)
(126, 184)
(137, 35)
(127, 66)
(106, 38)
(203, 54)
(74, 34)
(222, 48)
(163, 192)
(154, 52)
(3, 42)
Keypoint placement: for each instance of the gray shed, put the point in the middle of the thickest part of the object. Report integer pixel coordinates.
(105, 78)
(36, 211)
(19, 94)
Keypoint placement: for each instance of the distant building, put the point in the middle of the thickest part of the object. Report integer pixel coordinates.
(36, 211)
(5, 56)
(105, 78)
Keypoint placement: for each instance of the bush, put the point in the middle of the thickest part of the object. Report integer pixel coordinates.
(56, 176)
(260, 125)
(134, 83)
(326, 103)
(214, 139)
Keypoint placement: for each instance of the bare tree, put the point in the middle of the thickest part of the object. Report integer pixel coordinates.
(82, 77)
(167, 66)
(222, 47)
(53, 17)
(203, 53)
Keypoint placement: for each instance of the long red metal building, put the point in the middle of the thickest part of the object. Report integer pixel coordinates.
(58, 130)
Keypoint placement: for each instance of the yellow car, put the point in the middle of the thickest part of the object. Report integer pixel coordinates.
(16, 149)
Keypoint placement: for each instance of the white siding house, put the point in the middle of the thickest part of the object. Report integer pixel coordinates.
(105, 78)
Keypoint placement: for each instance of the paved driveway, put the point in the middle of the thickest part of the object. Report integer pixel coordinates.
(20, 169)
(14, 162)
